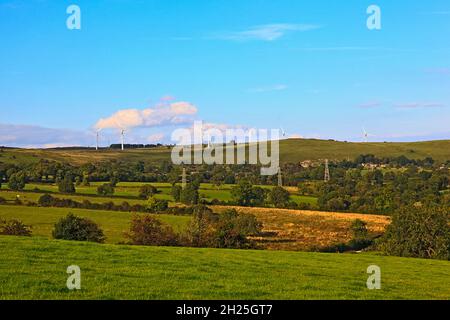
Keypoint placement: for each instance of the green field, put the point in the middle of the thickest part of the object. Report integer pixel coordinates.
(129, 191)
(291, 150)
(35, 268)
(113, 223)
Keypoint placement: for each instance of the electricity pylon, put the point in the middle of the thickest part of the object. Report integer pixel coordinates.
(280, 177)
(183, 179)
(326, 177)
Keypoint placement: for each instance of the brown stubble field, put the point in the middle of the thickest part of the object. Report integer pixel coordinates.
(307, 230)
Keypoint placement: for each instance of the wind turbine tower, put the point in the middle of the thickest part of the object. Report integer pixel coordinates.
(209, 141)
(122, 135)
(327, 176)
(365, 136)
(98, 136)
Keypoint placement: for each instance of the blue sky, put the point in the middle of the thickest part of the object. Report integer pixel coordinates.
(311, 67)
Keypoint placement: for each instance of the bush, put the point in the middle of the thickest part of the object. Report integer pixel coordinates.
(148, 231)
(227, 230)
(79, 229)
(360, 239)
(14, 227)
(157, 205)
(85, 181)
(147, 191)
(279, 197)
(114, 181)
(248, 224)
(244, 194)
(359, 230)
(418, 231)
(176, 193)
(232, 230)
(200, 232)
(46, 200)
(16, 181)
(189, 195)
(66, 185)
(106, 189)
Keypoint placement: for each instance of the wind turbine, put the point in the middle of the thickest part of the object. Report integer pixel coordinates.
(209, 140)
(98, 135)
(366, 135)
(122, 135)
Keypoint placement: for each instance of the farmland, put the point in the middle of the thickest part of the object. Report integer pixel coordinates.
(285, 229)
(35, 268)
(308, 230)
(113, 223)
(129, 191)
(286, 265)
(291, 150)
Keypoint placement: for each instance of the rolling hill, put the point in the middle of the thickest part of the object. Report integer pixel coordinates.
(291, 150)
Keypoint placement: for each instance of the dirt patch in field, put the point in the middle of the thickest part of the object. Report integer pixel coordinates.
(307, 230)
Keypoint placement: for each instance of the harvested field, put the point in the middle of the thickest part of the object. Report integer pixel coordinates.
(307, 230)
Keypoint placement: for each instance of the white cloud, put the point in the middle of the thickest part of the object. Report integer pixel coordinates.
(295, 136)
(163, 114)
(156, 138)
(267, 32)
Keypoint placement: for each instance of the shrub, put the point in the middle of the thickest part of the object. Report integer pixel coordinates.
(66, 185)
(279, 197)
(248, 224)
(85, 181)
(16, 181)
(232, 230)
(157, 205)
(189, 195)
(149, 231)
(227, 230)
(72, 227)
(114, 181)
(200, 232)
(359, 230)
(14, 227)
(418, 231)
(244, 194)
(106, 189)
(147, 191)
(176, 193)
(46, 200)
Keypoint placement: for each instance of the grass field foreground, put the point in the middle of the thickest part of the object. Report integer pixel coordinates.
(113, 223)
(35, 268)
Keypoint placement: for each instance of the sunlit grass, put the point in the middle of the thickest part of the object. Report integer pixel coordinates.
(35, 268)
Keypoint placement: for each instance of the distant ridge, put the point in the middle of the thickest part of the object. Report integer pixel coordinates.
(291, 150)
